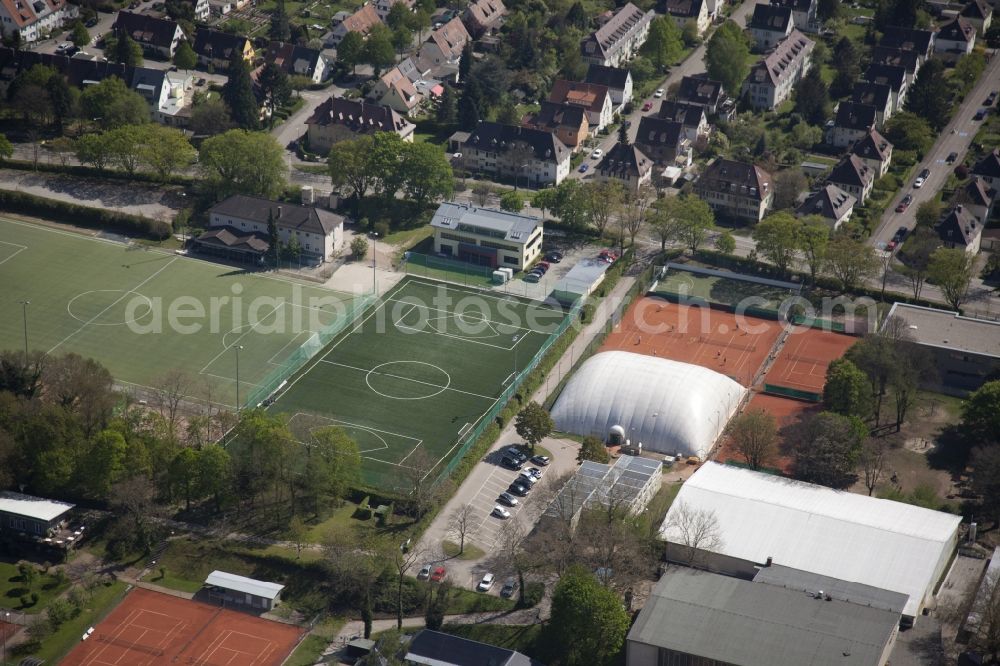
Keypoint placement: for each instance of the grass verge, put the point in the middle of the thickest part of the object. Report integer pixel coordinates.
(471, 552)
(57, 644)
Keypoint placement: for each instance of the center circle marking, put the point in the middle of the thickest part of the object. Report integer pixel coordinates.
(82, 320)
(377, 370)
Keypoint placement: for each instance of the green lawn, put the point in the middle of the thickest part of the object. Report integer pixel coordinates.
(417, 374)
(56, 645)
(12, 589)
(142, 313)
(407, 238)
(308, 651)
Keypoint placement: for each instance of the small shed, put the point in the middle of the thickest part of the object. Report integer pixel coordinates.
(244, 591)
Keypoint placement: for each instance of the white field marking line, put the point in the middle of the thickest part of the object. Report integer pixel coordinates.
(459, 439)
(412, 451)
(237, 340)
(229, 379)
(403, 316)
(113, 304)
(191, 398)
(115, 635)
(220, 644)
(507, 298)
(473, 316)
(271, 360)
(449, 335)
(20, 249)
(356, 425)
(410, 379)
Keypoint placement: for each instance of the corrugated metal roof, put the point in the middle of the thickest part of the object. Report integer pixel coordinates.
(516, 228)
(38, 508)
(852, 537)
(856, 593)
(258, 588)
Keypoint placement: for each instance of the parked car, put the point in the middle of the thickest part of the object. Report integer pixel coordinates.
(425, 572)
(91, 22)
(439, 575)
(583, 168)
(554, 257)
(919, 182)
(980, 114)
(608, 256)
(65, 46)
(891, 246)
(596, 155)
(535, 472)
(486, 583)
(511, 463)
(544, 264)
(532, 277)
(647, 106)
(925, 173)
(540, 270)
(541, 461)
(526, 478)
(517, 454)
(951, 158)
(900, 234)
(508, 589)
(659, 93)
(500, 512)
(517, 489)
(904, 203)
(507, 499)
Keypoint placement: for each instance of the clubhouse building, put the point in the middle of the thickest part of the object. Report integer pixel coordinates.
(486, 236)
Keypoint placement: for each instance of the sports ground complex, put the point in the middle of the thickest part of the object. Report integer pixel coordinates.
(153, 629)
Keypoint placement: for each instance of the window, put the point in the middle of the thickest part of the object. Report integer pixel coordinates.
(510, 260)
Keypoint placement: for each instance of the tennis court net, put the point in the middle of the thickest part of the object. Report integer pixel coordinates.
(804, 359)
(120, 642)
(724, 343)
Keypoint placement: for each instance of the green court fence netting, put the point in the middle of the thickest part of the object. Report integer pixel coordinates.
(797, 394)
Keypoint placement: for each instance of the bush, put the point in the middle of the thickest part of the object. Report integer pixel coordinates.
(382, 228)
(83, 216)
(533, 593)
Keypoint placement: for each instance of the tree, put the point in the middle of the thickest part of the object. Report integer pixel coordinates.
(379, 51)
(470, 105)
(351, 50)
(103, 465)
(165, 150)
(359, 248)
(727, 57)
(928, 213)
(812, 97)
(588, 622)
(847, 63)
(279, 30)
(695, 531)
(184, 57)
(124, 144)
(846, 389)
(402, 561)
(725, 242)
(571, 204)
(633, 214)
(952, 269)
(981, 414)
(242, 162)
(213, 479)
(447, 111)
(79, 35)
(6, 149)
(349, 163)
(330, 465)
(593, 449)
(850, 261)
(210, 117)
(274, 86)
(788, 185)
(124, 50)
(986, 480)
(603, 200)
(928, 96)
(427, 175)
(968, 70)
(829, 9)
(482, 193)
(908, 131)
(777, 238)
(112, 104)
(238, 93)
(132, 501)
(93, 149)
(663, 44)
(465, 62)
(872, 459)
(461, 524)
(826, 449)
(982, 601)
(183, 474)
(814, 236)
(511, 201)
(533, 424)
(755, 436)
(916, 256)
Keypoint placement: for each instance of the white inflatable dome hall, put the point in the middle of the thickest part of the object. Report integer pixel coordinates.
(668, 406)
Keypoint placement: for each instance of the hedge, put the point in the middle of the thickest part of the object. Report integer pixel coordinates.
(83, 216)
(92, 172)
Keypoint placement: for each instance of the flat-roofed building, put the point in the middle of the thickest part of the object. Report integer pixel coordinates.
(966, 350)
(244, 591)
(486, 236)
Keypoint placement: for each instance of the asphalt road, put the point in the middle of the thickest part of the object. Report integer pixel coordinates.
(956, 137)
(693, 64)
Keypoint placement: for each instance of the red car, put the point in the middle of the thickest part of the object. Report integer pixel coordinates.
(904, 204)
(608, 256)
(438, 575)
(647, 106)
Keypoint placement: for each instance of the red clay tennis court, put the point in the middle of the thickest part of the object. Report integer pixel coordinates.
(785, 411)
(734, 345)
(802, 362)
(153, 629)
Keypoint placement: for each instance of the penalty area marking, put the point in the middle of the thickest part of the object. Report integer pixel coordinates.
(374, 431)
(20, 249)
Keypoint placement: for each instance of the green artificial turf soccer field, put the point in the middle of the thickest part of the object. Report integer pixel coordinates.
(416, 373)
(112, 302)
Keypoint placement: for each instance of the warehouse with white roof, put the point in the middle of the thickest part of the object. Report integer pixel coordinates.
(667, 406)
(760, 517)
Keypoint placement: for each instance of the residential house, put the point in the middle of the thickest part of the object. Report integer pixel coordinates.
(691, 117)
(34, 19)
(619, 39)
(509, 151)
(158, 36)
(853, 175)
(804, 13)
(383, 7)
(567, 121)
(893, 76)
(626, 164)
(702, 91)
(444, 46)
(617, 80)
(484, 17)
(296, 60)
(877, 95)
(424, 77)
(320, 233)
(338, 119)
(596, 99)
(769, 25)
(688, 11)
(772, 79)
(175, 99)
(432, 647)
(988, 170)
(736, 189)
(215, 48)
(663, 141)
(975, 198)
(395, 90)
(876, 151)
(959, 229)
(980, 14)
(361, 21)
(202, 10)
(890, 55)
(486, 236)
(853, 122)
(829, 202)
(955, 38)
(920, 42)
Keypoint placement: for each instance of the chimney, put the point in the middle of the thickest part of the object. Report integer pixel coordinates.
(769, 561)
(958, 208)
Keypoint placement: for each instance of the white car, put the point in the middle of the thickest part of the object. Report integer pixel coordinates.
(501, 512)
(527, 477)
(486, 583)
(596, 155)
(658, 93)
(918, 183)
(65, 46)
